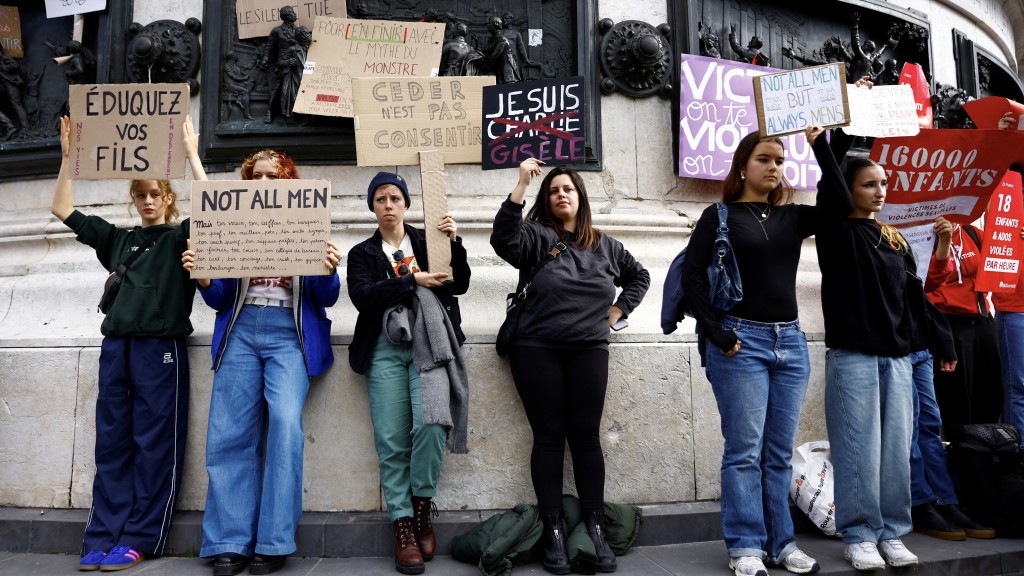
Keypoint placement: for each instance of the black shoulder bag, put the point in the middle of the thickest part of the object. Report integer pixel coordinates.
(514, 302)
(113, 283)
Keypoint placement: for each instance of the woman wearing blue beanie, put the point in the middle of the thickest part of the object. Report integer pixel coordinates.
(417, 405)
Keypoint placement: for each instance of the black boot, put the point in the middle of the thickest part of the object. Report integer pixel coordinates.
(605, 556)
(556, 559)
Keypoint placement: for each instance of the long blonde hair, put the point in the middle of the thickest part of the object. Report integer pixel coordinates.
(887, 232)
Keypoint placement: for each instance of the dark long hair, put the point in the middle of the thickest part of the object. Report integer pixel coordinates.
(587, 237)
(891, 235)
(732, 188)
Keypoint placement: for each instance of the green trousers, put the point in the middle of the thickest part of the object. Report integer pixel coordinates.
(410, 453)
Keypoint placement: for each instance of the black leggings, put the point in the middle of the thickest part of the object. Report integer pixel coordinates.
(563, 394)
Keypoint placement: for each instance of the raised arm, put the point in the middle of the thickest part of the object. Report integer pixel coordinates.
(192, 150)
(63, 199)
(833, 198)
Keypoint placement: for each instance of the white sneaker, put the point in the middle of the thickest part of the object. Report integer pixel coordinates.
(864, 556)
(799, 563)
(896, 553)
(748, 566)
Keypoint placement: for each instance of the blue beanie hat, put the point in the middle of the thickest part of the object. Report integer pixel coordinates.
(384, 178)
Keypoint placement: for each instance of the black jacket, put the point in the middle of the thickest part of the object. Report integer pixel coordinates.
(373, 288)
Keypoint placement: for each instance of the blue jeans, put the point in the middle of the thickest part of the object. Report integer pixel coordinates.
(1010, 327)
(410, 453)
(869, 413)
(929, 476)
(759, 392)
(255, 440)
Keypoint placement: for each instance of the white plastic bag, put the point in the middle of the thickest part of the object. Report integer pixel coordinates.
(812, 486)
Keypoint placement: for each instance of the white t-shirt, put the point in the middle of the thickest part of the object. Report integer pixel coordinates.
(274, 288)
(408, 258)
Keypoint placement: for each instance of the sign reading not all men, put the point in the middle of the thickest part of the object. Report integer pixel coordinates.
(246, 228)
(542, 119)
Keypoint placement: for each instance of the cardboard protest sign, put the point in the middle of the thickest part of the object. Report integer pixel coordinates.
(882, 111)
(435, 206)
(1001, 245)
(913, 75)
(542, 119)
(10, 32)
(128, 131)
(257, 18)
(789, 102)
(947, 173)
(344, 49)
(246, 228)
(59, 8)
(397, 118)
(986, 112)
(716, 100)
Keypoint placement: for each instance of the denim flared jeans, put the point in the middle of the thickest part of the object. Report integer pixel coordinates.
(255, 439)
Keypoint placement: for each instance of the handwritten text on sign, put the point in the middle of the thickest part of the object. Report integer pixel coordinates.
(245, 228)
(58, 8)
(396, 118)
(541, 119)
(128, 131)
(10, 33)
(882, 111)
(791, 101)
(1002, 245)
(716, 110)
(344, 49)
(258, 17)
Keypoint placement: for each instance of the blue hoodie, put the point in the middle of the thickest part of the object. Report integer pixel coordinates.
(311, 295)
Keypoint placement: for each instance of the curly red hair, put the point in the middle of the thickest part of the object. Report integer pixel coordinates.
(285, 165)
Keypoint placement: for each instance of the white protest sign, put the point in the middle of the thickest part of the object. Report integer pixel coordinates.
(127, 131)
(344, 49)
(882, 111)
(247, 228)
(256, 18)
(790, 101)
(59, 8)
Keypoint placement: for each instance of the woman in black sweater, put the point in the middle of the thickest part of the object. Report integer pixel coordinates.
(559, 357)
(869, 331)
(756, 357)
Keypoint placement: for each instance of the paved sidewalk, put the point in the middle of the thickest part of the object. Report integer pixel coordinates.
(1002, 556)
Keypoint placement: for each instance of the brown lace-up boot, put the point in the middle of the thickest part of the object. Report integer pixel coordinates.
(423, 508)
(408, 559)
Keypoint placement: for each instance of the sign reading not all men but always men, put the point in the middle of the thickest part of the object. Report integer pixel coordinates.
(257, 18)
(542, 119)
(59, 8)
(245, 228)
(128, 131)
(344, 49)
(397, 118)
(790, 101)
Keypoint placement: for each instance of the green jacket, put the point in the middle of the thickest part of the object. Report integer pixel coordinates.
(155, 298)
(512, 537)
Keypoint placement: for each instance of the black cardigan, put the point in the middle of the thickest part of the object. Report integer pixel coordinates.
(373, 288)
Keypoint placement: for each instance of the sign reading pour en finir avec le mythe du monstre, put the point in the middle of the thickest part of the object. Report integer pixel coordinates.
(128, 131)
(542, 119)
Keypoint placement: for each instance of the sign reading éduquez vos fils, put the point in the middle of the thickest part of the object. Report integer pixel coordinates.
(128, 131)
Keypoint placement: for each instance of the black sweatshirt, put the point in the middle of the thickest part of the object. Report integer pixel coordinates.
(864, 286)
(767, 266)
(567, 304)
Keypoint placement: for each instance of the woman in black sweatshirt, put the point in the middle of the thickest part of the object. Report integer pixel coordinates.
(559, 357)
(866, 290)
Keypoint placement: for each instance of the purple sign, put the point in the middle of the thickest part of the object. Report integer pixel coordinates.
(716, 110)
